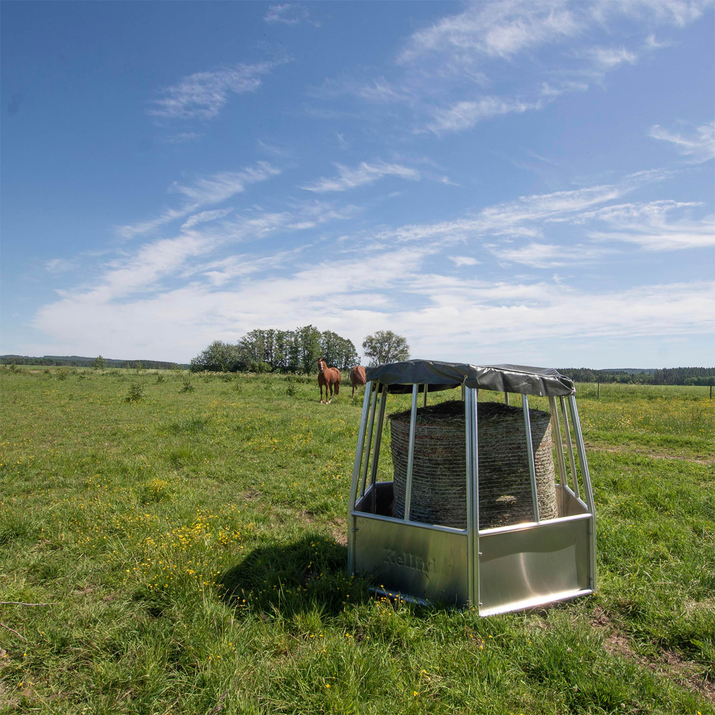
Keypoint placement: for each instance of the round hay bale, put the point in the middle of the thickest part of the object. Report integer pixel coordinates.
(439, 489)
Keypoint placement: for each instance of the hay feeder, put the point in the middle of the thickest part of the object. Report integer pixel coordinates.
(490, 505)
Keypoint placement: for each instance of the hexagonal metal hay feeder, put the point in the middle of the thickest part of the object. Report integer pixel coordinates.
(497, 569)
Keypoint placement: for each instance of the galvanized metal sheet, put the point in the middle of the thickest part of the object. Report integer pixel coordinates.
(539, 564)
(406, 558)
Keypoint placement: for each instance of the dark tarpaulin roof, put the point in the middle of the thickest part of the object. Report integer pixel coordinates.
(400, 376)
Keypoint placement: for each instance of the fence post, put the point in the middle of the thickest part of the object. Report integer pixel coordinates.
(598, 390)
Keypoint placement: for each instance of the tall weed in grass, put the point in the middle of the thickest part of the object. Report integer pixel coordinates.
(192, 548)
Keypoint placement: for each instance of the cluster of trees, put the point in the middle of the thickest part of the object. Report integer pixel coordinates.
(278, 350)
(666, 376)
(297, 351)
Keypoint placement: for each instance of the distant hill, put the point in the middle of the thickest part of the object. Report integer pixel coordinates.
(78, 361)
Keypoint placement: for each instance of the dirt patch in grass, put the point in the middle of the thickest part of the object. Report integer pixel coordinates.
(338, 529)
(670, 664)
(648, 453)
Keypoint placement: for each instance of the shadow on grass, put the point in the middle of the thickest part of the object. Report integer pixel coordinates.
(293, 578)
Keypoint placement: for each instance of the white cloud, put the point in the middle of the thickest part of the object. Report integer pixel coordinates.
(288, 14)
(223, 185)
(206, 190)
(699, 147)
(545, 255)
(676, 13)
(364, 174)
(205, 216)
(460, 261)
(497, 29)
(202, 95)
(649, 226)
(610, 57)
(466, 114)
(356, 297)
(442, 68)
(58, 265)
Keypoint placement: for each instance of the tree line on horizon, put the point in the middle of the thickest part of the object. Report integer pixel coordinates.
(79, 361)
(666, 376)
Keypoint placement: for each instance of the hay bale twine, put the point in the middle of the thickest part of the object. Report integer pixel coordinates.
(439, 490)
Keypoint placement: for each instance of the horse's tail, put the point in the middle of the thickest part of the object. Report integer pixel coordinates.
(337, 384)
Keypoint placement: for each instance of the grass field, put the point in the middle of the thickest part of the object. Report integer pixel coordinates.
(132, 503)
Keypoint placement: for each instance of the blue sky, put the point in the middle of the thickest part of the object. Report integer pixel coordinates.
(528, 182)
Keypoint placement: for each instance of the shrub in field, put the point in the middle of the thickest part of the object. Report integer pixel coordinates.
(154, 491)
(159, 377)
(135, 394)
(187, 386)
(62, 374)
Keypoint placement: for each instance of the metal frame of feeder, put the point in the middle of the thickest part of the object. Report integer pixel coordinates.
(496, 570)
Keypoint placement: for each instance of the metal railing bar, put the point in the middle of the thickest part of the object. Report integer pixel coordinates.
(586, 485)
(569, 444)
(411, 453)
(557, 438)
(530, 457)
(356, 475)
(366, 462)
(378, 437)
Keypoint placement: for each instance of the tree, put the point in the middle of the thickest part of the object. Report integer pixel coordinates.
(218, 357)
(99, 363)
(385, 346)
(338, 352)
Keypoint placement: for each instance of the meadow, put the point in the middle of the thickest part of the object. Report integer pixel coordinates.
(175, 543)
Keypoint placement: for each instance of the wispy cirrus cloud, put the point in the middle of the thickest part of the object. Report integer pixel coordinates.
(495, 29)
(364, 174)
(204, 217)
(650, 225)
(202, 95)
(698, 147)
(460, 261)
(450, 75)
(547, 255)
(289, 14)
(207, 190)
(465, 114)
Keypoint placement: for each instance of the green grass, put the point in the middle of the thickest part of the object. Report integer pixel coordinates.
(190, 545)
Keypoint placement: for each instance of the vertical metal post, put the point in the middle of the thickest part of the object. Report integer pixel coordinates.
(356, 475)
(411, 453)
(424, 403)
(556, 437)
(378, 436)
(366, 461)
(506, 398)
(530, 457)
(472, 476)
(586, 484)
(569, 444)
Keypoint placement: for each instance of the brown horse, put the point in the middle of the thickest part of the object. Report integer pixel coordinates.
(330, 378)
(357, 378)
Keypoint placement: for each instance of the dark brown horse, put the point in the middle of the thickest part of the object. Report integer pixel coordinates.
(357, 378)
(330, 378)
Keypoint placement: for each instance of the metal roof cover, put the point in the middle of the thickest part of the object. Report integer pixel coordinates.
(400, 376)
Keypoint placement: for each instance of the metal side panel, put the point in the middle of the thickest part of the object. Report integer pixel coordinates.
(533, 566)
(412, 560)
